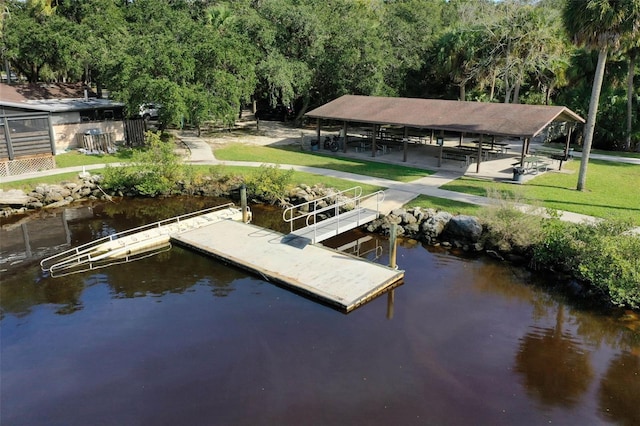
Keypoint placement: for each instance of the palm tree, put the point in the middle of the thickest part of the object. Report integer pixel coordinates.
(598, 25)
(633, 55)
(457, 52)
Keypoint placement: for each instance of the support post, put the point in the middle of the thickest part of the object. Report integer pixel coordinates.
(566, 146)
(393, 245)
(344, 139)
(525, 148)
(243, 203)
(318, 131)
(52, 135)
(405, 140)
(373, 140)
(479, 154)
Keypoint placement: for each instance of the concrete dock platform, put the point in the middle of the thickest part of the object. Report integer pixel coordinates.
(334, 278)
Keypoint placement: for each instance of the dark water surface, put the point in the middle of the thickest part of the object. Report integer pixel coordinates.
(180, 339)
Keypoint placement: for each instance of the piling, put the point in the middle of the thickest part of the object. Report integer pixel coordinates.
(243, 203)
(393, 245)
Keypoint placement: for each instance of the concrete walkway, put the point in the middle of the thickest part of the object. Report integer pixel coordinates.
(397, 194)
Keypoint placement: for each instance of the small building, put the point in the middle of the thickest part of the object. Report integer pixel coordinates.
(39, 120)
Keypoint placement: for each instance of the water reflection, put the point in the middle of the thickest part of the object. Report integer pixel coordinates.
(556, 368)
(463, 341)
(619, 390)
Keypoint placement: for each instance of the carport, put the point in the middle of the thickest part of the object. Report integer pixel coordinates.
(479, 118)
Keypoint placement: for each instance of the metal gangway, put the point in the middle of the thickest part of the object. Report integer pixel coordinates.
(332, 214)
(134, 244)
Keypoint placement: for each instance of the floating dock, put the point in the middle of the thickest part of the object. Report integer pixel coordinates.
(337, 279)
(294, 261)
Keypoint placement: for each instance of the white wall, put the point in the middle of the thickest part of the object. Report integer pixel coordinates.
(65, 134)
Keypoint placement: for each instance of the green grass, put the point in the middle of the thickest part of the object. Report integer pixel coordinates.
(75, 158)
(443, 204)
(612, 190)
(29, 184)
(293, 156)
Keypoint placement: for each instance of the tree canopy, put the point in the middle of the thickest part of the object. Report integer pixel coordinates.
(205, 59)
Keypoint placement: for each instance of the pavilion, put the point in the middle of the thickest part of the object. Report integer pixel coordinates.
(480, 118)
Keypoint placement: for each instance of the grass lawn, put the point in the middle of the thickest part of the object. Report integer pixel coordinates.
(612, 190)
(75, 158)
(444, 204)
(293, 156)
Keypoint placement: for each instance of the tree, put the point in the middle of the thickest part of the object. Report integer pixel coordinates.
(633, 50)
(410, 28)
(598, 25)
(458, 55)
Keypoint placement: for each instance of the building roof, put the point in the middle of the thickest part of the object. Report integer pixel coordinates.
(52, 97)
(514, 120)
(40, 91)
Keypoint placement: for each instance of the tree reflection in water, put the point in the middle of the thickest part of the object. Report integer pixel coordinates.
(620, 388)
(432, 360)
(556, 369)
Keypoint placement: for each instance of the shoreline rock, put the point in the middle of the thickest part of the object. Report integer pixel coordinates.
(48, 196)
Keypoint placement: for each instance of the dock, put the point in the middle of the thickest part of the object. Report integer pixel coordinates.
(332, 277)
(296, 261)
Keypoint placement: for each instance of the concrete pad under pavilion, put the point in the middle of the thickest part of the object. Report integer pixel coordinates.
(403, 122)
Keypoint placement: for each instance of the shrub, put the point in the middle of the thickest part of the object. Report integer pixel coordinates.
(507, 226)
(604, 255)
(269, 183)
(154, 171)
(558, 247)
(609, 260)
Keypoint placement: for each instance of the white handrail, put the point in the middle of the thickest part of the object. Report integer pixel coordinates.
(81, 253)
(288, 214)
(311, 217)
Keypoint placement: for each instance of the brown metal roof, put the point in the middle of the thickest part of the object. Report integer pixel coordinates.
(517, 120)
(40, 91)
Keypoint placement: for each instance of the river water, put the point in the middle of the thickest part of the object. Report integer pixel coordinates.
(181, 339)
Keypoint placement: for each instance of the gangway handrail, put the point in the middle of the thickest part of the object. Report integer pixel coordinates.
(288, 216)
(311, 218)
(84, 249)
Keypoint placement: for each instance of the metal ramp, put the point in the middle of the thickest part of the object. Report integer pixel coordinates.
(134, 244)
(332, 215)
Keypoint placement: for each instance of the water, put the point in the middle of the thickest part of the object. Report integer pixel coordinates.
(179, 338)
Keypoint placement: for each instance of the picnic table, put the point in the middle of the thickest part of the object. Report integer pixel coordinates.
(535, 164)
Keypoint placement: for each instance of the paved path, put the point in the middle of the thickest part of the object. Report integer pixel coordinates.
(397, 194)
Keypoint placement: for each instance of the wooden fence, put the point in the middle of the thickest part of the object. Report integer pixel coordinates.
(134, 132)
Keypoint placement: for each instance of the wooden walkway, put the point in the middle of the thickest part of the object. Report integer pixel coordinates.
(338, 279)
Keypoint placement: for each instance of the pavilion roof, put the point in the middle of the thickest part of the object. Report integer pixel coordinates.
(515, 120)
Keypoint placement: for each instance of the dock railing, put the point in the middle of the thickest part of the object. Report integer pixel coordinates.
(82, 253)
(347, 201)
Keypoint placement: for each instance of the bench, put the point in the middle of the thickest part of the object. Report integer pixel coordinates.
(458, 156)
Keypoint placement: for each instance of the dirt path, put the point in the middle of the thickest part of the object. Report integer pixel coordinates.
(249, 131)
